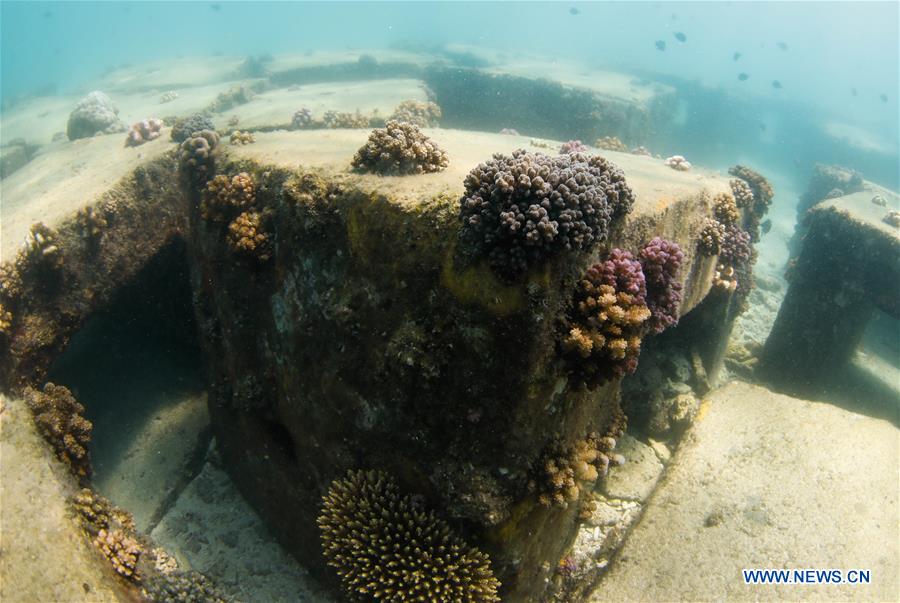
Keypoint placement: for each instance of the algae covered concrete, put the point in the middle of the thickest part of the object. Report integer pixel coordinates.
(44, 553)
(763, 480)
(457, 369)
(849, 266)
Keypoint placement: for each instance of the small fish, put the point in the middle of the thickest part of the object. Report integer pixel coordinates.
(736, 56)
(883, 98)
(762, 127)
(680, 36)
(854, 92)
(660, 45)
(574, 11)
(766, 226)
(47, 14)
(215, 6)
(782, 46)
(777, 85)
(743, 77)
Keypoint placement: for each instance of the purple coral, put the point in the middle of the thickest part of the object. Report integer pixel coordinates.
(522, 208)
(621, 271)
(572, 146)
(736, 247)
(661, 260)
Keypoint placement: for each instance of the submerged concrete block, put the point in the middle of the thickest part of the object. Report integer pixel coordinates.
(849, 265)
(362, 343)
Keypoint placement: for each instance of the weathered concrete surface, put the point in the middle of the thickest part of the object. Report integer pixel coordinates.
(44, 554)
(767, 481)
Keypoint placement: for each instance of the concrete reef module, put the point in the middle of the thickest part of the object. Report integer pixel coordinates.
(385, 546)
(520, 209)
(400, 148)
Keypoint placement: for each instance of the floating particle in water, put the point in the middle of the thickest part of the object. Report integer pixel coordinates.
(47, 14)
(660, 45)
(574, 11)
(766, 226)
(854, 92)
(762, 127)
(680, 36)
(883, 97)
(215, 6)
(782, 46)
(743, 77)
(777, 85)
(736, 56)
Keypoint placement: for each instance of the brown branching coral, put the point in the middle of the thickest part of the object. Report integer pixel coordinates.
(335, 119)
(197, 153)
(6, 321)
(229, 99)
(711, 237)
(386, 546)
(97, 513)
(58, 416)
(10, 281)
(564, 474)
(183, 587)
(241, 138)
(603, 331)
(611, 143)
(424, 115)
(246, 235)
(223, 196)
(121, 550)
(743, 196)
(91, 222)
(41, 246)
(400, 148)
(725, 210)
(762, 190)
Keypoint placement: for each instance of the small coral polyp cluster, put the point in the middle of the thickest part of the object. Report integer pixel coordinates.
(743, 196)
(247, 235)
(223, 196)
(563, 475)
(520, 209)
(386, 547)
(660, 261)
(185, 128)
(711, 237)
(606, 322)
(725, 209)
(611, 143)
(422, 114)
(736, 257)
(762, 194)
(678, 163)
(336, 119)
(302, 118)
(572, 146)
(400, 149)
(241, 138)
(143, 131)
(197, 154)
(58, 416)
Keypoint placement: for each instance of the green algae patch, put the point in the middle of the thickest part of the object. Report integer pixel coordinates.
(477, 285)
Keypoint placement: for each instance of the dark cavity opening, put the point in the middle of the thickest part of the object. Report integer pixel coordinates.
(137, 367)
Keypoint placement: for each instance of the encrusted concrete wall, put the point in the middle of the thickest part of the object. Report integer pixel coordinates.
(848, 266)
(362, 343)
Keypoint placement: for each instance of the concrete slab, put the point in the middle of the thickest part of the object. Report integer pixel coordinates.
(44, 554)
(767, 481)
